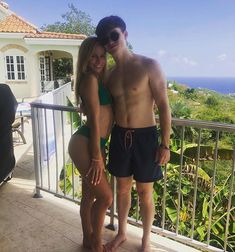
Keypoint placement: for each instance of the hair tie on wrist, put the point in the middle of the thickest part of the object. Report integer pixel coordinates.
(163, 146)
(95, 160)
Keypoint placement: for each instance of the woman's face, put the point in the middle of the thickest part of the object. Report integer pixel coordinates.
(97, 61)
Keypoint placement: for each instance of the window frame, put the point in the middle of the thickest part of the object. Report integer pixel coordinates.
(15, 67)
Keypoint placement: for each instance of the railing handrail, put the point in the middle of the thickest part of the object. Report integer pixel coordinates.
(203, 124)
(54, 107)
(175, 121)
(43, 169)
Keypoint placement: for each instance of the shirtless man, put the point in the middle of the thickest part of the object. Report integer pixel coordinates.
(136, 84)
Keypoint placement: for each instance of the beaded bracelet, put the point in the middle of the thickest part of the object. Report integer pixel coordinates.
(163, 146)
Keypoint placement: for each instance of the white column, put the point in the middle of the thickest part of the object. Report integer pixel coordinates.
(34, 75)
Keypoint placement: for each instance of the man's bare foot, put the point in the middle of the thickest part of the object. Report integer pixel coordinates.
(115, 243)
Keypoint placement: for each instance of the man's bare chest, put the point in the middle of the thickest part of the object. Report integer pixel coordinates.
(128, 82)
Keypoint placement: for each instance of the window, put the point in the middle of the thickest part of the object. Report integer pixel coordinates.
(15, 66)
(42, 68)
(45, 68)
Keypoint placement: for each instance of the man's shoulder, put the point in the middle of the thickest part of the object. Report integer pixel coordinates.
(146, 61)
(151, 67)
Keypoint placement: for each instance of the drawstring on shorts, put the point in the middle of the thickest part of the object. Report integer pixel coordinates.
(128, 138)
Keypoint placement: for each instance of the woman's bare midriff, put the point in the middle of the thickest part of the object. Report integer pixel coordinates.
(106, 120)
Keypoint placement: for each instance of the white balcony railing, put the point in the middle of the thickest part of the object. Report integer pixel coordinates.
(192, 206)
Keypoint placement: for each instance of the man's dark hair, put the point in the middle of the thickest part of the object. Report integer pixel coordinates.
(106, 24)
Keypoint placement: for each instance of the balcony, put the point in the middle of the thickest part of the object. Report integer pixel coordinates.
(52, 223)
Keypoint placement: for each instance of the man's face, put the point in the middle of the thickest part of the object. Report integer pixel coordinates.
(113, 40)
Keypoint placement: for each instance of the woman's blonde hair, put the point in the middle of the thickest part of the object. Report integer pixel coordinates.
(85, 52)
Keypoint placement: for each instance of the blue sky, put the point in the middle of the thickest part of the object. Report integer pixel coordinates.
(187, 37)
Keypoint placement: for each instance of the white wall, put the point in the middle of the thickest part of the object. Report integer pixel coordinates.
(31, 86)
(8, 47)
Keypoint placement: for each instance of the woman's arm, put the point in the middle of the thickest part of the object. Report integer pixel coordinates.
(90, 96)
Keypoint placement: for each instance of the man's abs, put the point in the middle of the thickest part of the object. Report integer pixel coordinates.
(134, 114)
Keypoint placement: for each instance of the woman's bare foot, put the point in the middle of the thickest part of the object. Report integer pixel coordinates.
(96, 244)
(104, 248)
(86, 243)
(115, 243)
(146, 249)
(145, 245)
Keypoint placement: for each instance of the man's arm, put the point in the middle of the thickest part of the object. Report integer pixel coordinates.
(159, 91)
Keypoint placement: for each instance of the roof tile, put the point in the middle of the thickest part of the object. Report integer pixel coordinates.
(14, 23)
(55, 35)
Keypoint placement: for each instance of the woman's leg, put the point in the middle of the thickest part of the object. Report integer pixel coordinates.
(103, 199)
(92, 212)
(79, 153)
(85, 213)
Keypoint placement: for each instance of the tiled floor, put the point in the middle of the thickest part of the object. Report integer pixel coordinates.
(51, 224)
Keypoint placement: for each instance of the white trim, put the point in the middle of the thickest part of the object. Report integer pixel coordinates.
(6, 11)
(51, 41)
(10, 35)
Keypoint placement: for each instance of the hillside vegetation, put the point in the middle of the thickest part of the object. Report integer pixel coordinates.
(201, 104)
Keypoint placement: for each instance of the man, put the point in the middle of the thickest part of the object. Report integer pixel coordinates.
(136, 83)
(8, 105)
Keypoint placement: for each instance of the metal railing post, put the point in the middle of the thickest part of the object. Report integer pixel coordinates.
(111, 224)
(36, 150)
(231, 189)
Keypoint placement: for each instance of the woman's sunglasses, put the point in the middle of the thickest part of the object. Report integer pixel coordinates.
(113, 36)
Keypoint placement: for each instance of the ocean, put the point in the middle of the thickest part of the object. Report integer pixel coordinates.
(219, 84)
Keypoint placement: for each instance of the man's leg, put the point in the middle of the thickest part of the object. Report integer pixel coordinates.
(145, 192)
(123, 204)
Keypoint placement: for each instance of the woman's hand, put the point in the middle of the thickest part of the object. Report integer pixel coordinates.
(95, 171)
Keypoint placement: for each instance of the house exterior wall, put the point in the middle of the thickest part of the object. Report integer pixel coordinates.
(15, 47)
(31, 86)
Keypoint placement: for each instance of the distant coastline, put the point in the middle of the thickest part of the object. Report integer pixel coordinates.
(223, 85)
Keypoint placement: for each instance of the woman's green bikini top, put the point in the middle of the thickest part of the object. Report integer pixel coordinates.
(104, 95)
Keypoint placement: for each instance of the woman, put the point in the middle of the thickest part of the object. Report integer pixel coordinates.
(86, 146)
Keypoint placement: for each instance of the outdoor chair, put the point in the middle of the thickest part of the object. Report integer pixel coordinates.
(18, 127)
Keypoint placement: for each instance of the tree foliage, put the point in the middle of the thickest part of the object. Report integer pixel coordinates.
(62, 68)
(74, 21)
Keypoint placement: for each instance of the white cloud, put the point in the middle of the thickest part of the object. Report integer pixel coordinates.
(222, 57)
(188, 61)
(175, 59)
(161, 53)
(184, 60)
